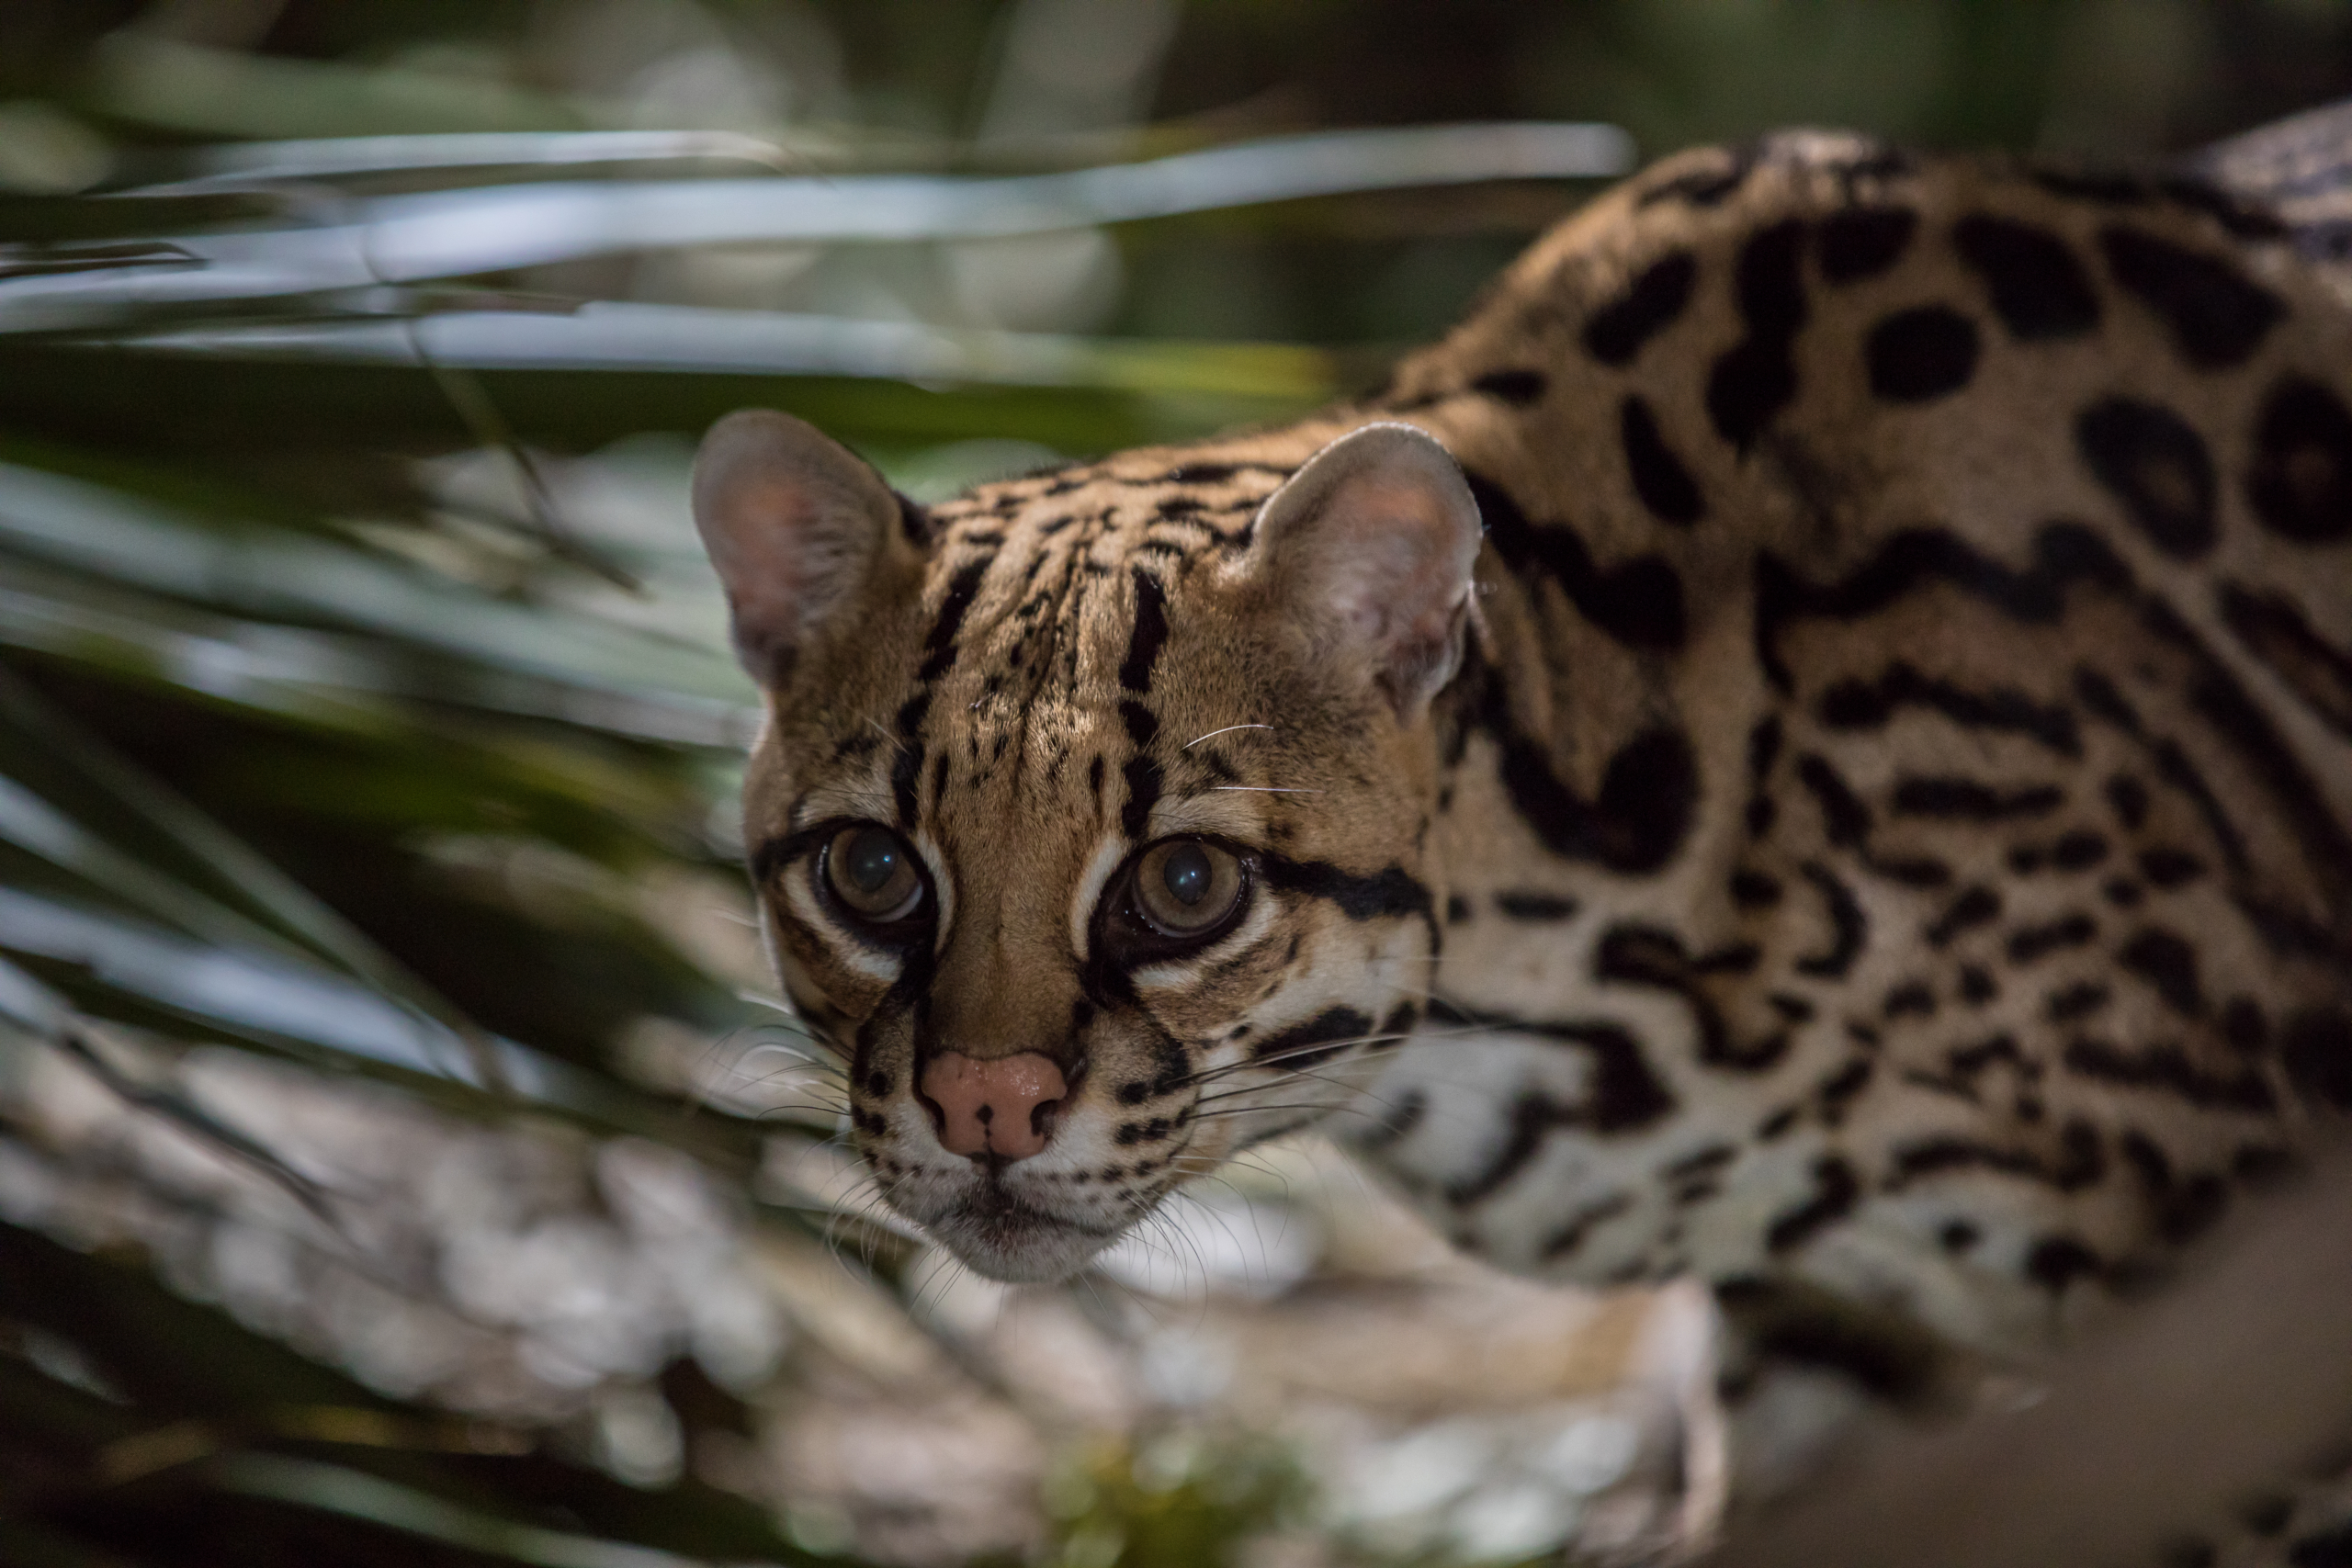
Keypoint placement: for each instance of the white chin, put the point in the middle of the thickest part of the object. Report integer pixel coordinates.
(1019, 1246)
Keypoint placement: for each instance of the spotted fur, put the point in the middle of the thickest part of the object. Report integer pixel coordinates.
(1886, 847)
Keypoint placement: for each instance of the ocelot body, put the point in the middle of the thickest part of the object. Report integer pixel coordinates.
(1808, 742)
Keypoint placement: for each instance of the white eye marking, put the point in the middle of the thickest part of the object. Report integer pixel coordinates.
(800, 896)
(943, 885)
(1253, 925)
(1109, 855)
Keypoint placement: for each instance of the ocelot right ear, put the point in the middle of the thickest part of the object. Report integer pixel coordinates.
(1368, 552)
(799, 529)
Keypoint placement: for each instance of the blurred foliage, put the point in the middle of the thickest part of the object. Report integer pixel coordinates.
(325, 671)
(1173, 1503)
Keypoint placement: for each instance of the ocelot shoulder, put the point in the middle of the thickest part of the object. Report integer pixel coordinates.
(1807, 743)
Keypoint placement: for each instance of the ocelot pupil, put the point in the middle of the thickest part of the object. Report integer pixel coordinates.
(873, 860)
(1189, 875)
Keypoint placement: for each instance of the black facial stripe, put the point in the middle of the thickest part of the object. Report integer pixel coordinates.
(1388, 893)
(939, 647)
(1150, 633)
(1142, 772)
(1296, 1046)
(789, 921)
(906, 771)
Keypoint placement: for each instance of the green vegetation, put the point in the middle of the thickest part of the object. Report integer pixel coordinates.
(363, 705)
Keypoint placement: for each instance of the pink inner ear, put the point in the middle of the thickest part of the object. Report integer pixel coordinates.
(783, 571)
(1371, 546)
(794, 526)
(1390, 571)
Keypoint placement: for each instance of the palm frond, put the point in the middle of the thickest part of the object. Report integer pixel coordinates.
(362, 765)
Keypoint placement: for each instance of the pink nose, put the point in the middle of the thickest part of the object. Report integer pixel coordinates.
(994, 1107)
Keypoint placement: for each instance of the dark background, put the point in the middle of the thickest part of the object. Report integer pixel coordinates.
(293, 648)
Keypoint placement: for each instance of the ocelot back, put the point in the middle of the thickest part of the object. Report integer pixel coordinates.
(1810, 742)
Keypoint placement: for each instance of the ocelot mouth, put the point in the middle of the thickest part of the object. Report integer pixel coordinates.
(997, 1235)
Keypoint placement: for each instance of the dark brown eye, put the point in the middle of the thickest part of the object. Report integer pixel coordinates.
(1186, 887)
(873, 872)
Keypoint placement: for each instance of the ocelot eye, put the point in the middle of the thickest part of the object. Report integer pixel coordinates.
(1185, 887)
(873, 873)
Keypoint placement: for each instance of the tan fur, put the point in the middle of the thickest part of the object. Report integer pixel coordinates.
(1738, 974)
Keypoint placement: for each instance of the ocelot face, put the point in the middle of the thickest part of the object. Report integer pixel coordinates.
(1095, 863)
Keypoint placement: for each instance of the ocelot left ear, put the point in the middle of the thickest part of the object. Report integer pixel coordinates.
(803, 535)
(1368, 549)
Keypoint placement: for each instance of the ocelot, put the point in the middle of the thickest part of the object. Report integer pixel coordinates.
(1808, 742)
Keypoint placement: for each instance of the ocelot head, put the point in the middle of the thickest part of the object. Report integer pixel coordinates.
(1090, 819)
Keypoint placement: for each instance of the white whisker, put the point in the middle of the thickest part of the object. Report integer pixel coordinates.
(1213, 734)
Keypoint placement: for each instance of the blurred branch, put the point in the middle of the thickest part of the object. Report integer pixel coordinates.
(474, 406)
(76, 1041)
(458, 233)
(170, 823)
(2235, 1380)
(623, 335)
(336, 1489)
(239, 165)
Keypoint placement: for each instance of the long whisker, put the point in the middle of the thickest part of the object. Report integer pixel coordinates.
(1319, 1049)
(1208, 1075)
(1213, 734)
(1294, 1075)
(1257, 1109)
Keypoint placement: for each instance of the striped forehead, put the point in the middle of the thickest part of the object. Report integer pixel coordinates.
(1139, 503)
(1057, 557)
(1050, 608)
(1043, 605)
